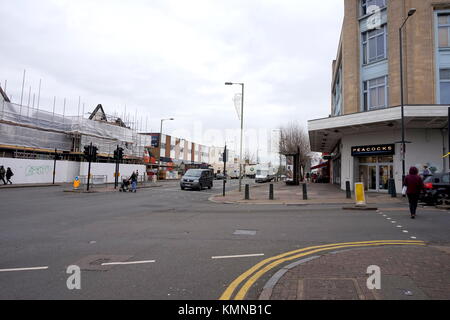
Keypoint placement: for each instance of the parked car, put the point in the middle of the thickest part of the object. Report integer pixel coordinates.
(437, 189)
(197, 179)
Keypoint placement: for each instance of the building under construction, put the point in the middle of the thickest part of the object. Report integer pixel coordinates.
(27, 132)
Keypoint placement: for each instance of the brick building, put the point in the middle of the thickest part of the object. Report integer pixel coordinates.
(363, 130)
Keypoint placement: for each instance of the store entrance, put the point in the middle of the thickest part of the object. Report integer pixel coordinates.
(375, 173)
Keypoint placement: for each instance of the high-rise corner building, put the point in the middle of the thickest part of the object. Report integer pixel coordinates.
(363, 132)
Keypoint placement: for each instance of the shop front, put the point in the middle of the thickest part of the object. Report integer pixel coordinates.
(375, 166)
(365, 147)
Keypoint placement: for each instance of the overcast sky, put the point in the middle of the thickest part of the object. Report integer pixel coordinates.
(171, 58)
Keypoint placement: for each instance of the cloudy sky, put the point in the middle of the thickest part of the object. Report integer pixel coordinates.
(171, 58)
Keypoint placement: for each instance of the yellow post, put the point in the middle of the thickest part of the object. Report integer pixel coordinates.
(76, 183)
(359, 194)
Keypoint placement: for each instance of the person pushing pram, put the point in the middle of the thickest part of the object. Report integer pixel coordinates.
(125, 186)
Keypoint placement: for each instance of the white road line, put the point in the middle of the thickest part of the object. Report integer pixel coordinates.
(399, 227)
(23, 269)
(405, 231)
(413, 238)
(239, 256)
(389, 218)
(127, 263)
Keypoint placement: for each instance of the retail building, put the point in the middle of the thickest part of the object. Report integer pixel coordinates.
(363, 132)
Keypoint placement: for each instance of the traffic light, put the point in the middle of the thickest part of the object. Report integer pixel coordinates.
(94, 153)
(90, 153)
(118, 154)
(87, 152)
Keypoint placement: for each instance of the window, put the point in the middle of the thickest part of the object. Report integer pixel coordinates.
(374, 45)
(366, 4)
(444, 30)
(337, 94)
(375, 93)
(444, 76)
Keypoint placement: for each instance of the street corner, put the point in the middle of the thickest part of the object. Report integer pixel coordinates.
(386, 272)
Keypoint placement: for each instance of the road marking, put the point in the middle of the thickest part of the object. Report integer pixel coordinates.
(393, 221)
(413, 238)
(399, 227)
(389, 218)
(127, 263)
(239, 256)
(405, 231)
(264, 265)
(23, 269)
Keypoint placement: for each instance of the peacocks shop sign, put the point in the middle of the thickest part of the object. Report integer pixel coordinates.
(377, 150)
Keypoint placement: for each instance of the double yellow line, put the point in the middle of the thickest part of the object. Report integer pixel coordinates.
(256, 272)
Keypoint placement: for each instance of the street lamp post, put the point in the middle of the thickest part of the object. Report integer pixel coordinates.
(242, 131)
(159, 145)
(410, 13)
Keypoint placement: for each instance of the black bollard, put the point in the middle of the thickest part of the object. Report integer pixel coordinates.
(392, 189)
(305, 192)
(247, 192)
(347, 189)
(271, 197)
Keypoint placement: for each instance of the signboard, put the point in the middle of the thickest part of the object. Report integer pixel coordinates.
(155, 141)
(289, 168)
(376, 150)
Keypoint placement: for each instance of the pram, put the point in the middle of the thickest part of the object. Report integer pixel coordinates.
(125, 186)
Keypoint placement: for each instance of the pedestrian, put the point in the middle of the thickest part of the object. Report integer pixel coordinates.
(9, 174)
(2, 174)
(133, 179)
(414, 184)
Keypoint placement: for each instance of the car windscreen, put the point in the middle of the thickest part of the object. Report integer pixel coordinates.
(193, 173)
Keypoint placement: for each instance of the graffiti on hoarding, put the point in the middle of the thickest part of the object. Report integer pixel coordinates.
(37, 170)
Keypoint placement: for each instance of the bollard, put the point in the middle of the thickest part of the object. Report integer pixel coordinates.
(347, 188)
(271, 197)
(305, 192)
(247, 192)
(392, 189)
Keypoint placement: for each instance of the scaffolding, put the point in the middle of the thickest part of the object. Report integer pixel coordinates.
(29, 127)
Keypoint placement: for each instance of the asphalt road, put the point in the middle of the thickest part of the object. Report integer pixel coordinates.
(178, 235)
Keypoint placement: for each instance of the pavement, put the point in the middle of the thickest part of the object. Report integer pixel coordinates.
(406, 273)
(293, 195)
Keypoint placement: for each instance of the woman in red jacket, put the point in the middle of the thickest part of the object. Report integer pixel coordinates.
(414, 184)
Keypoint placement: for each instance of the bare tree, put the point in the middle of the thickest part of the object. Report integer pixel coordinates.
(295, 139)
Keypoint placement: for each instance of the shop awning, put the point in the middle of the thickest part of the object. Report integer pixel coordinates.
(325, 134)
(322, 165)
